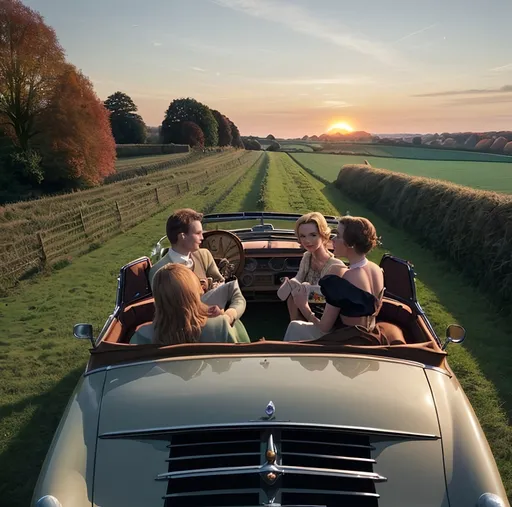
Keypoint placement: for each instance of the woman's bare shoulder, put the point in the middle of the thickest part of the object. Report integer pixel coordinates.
(337, 268)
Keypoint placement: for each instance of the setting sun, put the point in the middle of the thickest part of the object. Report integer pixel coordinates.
(341, 126)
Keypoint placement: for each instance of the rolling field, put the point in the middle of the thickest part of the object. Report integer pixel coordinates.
(125, 163)
(40, 362)
(416, 152)
(482, 175)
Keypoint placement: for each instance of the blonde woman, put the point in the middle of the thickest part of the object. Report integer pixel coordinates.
(180, 315)
(356, 297)
(313, 234)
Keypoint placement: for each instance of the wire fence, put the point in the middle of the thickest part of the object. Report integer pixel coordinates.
(82, 228)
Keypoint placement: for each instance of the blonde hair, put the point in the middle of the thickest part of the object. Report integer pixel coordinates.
(180, 315)
(321, 224)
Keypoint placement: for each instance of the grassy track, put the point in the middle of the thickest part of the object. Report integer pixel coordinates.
(481, 175)
(124, 163)
(40, 362)
(485, 375)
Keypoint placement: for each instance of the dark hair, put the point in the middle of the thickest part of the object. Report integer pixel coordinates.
(179, 222)
(359, 233)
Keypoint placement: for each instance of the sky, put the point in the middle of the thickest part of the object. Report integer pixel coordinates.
(296, 67)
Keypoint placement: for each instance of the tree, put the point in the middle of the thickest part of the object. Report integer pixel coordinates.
(189, 109)
(274, 146)
(251, 144)
(192, 134)
(416, 140)
(235, 134)
(271, 137)
(127, 126)
(76, 141)
(31, 60)
(224, 129)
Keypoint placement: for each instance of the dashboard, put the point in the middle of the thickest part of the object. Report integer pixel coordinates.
(263, 275)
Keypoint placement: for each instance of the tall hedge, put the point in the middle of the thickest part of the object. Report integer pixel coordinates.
(471, 227)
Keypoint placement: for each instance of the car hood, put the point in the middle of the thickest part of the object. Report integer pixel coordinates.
(387, 399)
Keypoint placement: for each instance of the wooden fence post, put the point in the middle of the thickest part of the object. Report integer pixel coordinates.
(43, 251)
(178, 188)
(119, 211)
(157, 197)
(82, 219)
(188, 186)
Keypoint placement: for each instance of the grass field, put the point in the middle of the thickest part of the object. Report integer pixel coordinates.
(125, 163)
(415, 152)
(482, 175)
(40, 362)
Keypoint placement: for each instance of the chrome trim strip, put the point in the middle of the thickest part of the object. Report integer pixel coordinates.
(207, 472)
(268, 424)
(330, 444)
(277, 469)
(283, 490)
(331, 472)
(278, 354)
(203, 456)
(328, 492)
(213, 492)
(328, 456)
(209, 444)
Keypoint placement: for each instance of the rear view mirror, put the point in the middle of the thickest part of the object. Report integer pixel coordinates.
(83, 332)
(454, 334)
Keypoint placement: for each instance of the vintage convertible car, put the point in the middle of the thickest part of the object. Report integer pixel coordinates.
(268, 423)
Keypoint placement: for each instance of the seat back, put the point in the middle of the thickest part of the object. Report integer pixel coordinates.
(393, 315)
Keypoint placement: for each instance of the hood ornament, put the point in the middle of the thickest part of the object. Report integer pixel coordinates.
(270, 409)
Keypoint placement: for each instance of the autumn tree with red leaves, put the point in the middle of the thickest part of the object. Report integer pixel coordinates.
(59, 131)
(76, 140)
(192, 134)
(225, 137)
(31, 60)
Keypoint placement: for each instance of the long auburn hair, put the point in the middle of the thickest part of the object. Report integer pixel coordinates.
(180, 315)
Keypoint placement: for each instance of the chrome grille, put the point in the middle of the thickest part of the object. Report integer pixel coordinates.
(269, 466)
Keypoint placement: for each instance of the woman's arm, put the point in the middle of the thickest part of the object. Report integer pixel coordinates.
(331, 313)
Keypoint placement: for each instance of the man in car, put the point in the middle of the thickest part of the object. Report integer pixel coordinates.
(185, 233)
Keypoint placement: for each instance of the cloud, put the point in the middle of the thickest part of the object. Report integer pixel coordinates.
(303, 21)
(476, 91)
(343, 80)
(157, 44)
(503, 68)
(417, 32)
(334, 104)
(198, 69)
(477, 101)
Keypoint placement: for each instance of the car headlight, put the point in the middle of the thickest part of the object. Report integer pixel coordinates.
(490, 500)
(48, 501)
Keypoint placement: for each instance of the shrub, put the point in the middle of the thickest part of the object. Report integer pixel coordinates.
(470, 227)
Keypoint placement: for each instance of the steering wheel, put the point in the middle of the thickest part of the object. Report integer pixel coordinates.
(225, 245)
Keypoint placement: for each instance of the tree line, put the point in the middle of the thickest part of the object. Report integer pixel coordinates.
(55, 133)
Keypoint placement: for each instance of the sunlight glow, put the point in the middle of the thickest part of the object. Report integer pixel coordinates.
(341, 126)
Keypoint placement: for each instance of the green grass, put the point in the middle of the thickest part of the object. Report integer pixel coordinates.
(125, 163)
(415, 152)
(40, 362)
(446, 297)
(481, 175)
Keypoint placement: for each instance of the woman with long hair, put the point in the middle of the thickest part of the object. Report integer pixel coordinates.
(356, 297)
(313, 234)
(180, 315)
